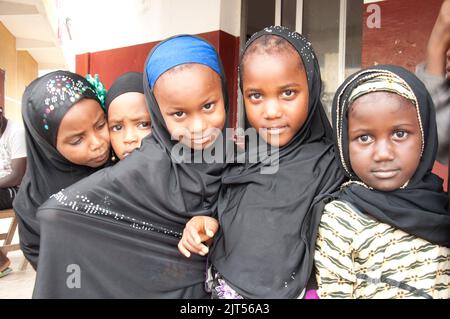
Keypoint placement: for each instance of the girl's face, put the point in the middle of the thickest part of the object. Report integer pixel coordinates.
(129, 122)
(275, 95)
(192, 104)
(384, 140)
(83, 136)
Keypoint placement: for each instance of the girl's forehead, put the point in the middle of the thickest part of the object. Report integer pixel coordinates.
(386, 104)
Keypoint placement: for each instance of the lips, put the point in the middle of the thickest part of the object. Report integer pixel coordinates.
(101, 158)
(127, 152)
(385, 173)
(202, 140)
(275, 130)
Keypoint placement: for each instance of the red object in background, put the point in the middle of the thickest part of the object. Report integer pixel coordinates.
(403, 36)
(442, 171)
(110, 64)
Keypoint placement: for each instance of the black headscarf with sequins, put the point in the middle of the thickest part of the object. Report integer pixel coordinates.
(121, 226)
(420, 208)
(45, 102)
(265, 246)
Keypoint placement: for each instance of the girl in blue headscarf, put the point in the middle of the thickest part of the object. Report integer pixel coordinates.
(115, 234)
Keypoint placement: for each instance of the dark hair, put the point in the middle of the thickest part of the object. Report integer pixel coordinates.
(269, 44)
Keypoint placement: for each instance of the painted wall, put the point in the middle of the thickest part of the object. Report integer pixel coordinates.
(110, 64)
(402, 39)
(218, 21)
(20, 69)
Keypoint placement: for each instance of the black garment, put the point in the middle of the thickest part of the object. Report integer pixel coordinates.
(265, 246)
(127, 82)
(45, 102)
(7, 196)
(421, 207)
(121, 225)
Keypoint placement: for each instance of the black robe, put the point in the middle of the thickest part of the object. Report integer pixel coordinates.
(120, 227)
(265, 246)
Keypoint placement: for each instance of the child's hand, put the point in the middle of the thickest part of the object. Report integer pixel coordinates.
(198, 230)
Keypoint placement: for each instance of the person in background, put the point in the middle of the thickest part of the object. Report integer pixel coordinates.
(13, 162)
(435, 74)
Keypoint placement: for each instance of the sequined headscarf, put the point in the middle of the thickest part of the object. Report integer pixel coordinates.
(45, 102)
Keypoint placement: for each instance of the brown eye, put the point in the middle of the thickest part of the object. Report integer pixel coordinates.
(116, 128)
(208, 106)
(365, 139)
(255, 96)
(144, 125)
(178, 115)
(401, 135)
(288, 93)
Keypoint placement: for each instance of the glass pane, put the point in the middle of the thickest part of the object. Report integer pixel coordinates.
(353, 42)
(260, 14)
(288, 13)
(321, 27)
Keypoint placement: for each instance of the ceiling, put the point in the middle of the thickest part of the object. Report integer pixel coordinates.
(27, 21)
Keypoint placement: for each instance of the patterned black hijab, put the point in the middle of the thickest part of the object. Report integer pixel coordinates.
(45, 102)
(420, 208)
(122, 225)
(265, 246)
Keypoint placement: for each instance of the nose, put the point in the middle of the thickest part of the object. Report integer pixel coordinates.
(96, 142)
(384, 151)
(130, 136)
(272, 109)
(197, 127)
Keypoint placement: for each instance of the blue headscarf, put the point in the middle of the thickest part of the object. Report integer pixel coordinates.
(175, 51)
(180, 50)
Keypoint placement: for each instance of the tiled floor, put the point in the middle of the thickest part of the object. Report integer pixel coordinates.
(17, 284)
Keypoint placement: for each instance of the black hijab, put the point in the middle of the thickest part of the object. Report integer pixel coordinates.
(127, 82)
(420, 208)
(265, 246)
(45, 102)
(121, 226)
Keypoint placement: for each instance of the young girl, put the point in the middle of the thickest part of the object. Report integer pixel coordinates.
(128, 116)
(268, 222)
(119, 228)
(387, 234)
(67, 139)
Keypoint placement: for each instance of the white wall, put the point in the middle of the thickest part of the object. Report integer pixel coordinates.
(230, 17)
(117, 23)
